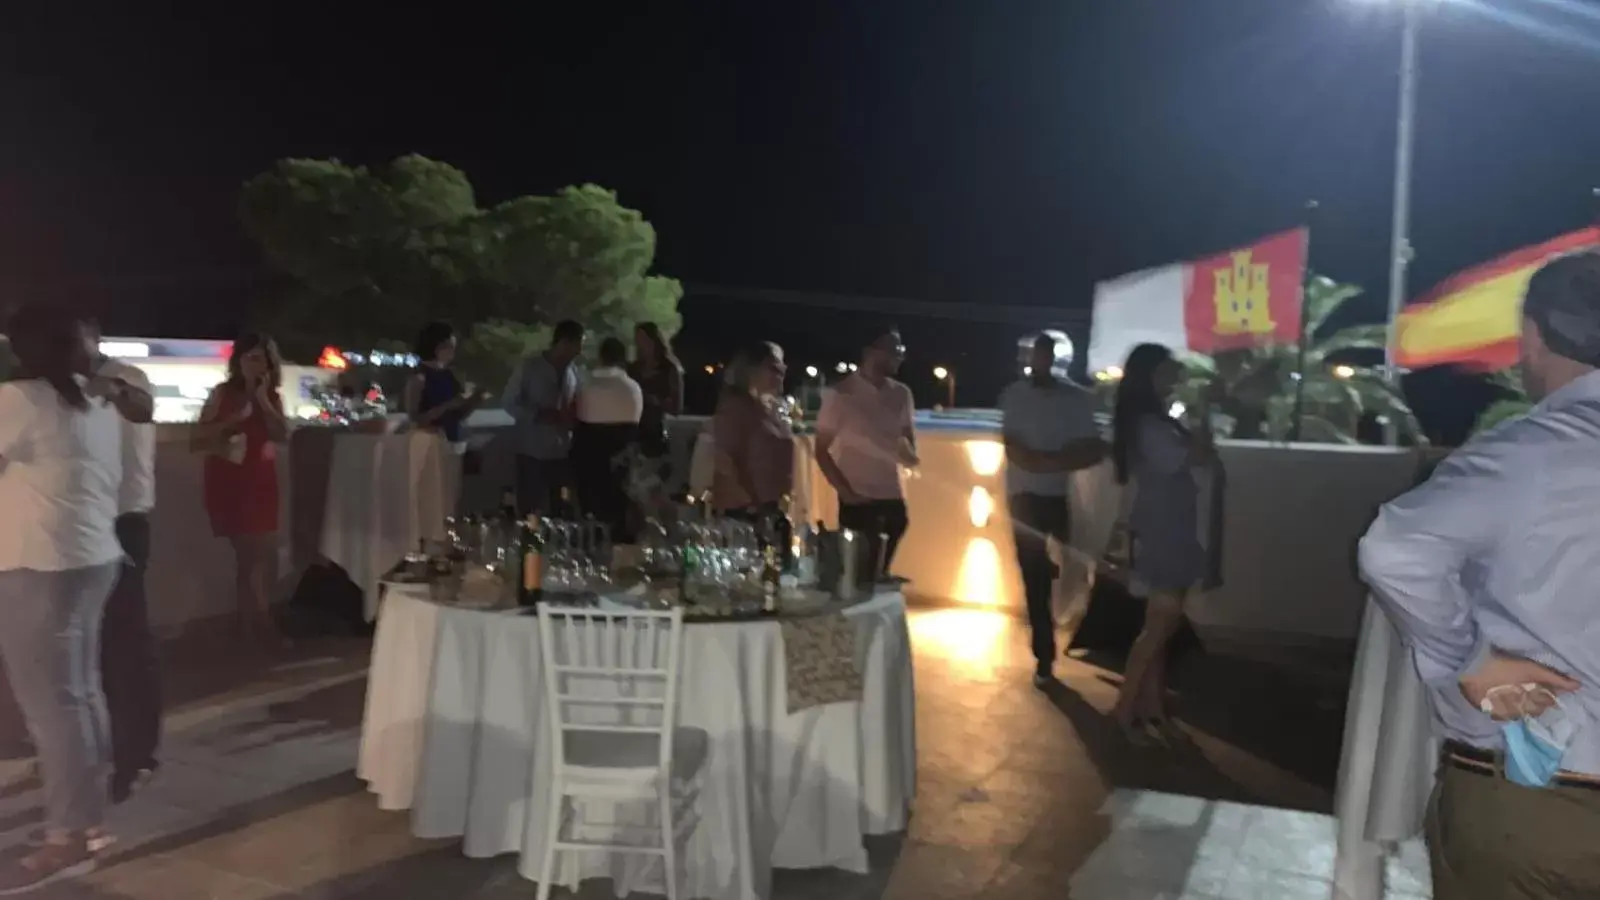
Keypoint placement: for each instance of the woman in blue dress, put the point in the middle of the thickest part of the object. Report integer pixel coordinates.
(1155, 457)
(435, 399)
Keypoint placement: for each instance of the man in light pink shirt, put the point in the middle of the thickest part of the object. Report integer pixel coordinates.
(864, 435)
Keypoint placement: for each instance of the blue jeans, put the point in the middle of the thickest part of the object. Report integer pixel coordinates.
(50, 642)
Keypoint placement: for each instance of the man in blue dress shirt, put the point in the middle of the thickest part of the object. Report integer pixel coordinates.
(1491, 570)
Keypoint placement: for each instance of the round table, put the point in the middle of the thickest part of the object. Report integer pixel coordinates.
(455, 730)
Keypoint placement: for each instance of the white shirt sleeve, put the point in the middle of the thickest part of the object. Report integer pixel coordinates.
(16, 416)
(1413, 555)
(831, 415)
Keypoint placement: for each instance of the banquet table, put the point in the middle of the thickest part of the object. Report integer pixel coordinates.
(455, 730)
(386, 493)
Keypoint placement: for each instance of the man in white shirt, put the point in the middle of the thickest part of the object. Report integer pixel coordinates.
(608, 396)
(1050, 433)
(128, 663)
(1491, 572)
(864, 435)
(608, 406)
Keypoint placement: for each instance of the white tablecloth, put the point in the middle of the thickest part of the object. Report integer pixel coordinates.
(1387, 768)
(386, 492)
(455, 730)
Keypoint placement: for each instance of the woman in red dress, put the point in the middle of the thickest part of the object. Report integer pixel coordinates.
(240, 429)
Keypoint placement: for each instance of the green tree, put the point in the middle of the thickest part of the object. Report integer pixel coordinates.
(371, 254)
(1257, 388)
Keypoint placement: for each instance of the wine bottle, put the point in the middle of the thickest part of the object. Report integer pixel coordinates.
(530, 587)
(771, 577)
(783, 534)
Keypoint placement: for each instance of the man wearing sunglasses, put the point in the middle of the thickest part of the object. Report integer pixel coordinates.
(864, 435)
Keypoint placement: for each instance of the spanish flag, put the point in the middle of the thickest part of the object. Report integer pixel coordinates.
(1473, 318)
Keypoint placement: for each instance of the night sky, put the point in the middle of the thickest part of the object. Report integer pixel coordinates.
(1008, 153)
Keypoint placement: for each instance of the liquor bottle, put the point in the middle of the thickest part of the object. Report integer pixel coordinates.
(508, 506)
(565, 508)
(530, 586)
(771, 577)
(783, 534)
(690, 571)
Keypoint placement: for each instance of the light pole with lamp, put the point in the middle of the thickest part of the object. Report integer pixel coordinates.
(949, 379)
(1405, 138)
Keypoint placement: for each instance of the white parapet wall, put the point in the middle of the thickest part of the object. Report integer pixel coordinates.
(1293, 515)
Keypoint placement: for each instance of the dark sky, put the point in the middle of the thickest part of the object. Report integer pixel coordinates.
(943, 150)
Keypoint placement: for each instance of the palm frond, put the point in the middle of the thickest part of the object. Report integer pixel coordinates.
(1323, 297)
(1355, 337)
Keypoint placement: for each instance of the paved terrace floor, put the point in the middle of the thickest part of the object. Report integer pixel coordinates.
(1021, 794)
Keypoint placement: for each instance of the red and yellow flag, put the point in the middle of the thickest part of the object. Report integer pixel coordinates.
(1473, 318)
(1246, 297)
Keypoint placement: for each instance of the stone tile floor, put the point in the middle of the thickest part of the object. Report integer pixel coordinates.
(1021, 794)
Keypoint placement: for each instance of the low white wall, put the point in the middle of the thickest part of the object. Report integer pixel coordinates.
(1292, 518)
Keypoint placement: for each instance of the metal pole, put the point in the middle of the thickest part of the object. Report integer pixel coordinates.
(1405, 134)
(1304, 337)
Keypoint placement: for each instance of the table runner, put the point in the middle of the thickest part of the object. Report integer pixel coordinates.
(458, 734)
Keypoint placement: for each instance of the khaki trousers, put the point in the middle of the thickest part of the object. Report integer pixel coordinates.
(1489, 839)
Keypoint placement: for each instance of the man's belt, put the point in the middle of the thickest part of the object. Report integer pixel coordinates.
(1490, 762)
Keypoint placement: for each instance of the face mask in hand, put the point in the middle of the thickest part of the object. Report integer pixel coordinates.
(1535, 746)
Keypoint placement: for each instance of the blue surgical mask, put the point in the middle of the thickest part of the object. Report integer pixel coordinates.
(1531, 759)
(1535, 746)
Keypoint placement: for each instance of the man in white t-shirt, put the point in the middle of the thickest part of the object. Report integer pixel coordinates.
(1050, 432)
(128, 664)
(864, 435)
(608, 396)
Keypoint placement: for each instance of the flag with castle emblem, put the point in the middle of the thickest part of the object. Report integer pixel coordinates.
(1248, 297)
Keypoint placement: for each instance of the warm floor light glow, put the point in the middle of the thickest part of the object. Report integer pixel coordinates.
(972, 639)
(980, 579)
(980, 506)
(985, 456)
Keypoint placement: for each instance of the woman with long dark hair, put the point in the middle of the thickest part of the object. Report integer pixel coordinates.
(60, 472)
(754, 465)
(240, 429)
(660, 379)
(1154, 456)
(435, 399)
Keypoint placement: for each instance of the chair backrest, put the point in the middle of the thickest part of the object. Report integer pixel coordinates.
(611, 671)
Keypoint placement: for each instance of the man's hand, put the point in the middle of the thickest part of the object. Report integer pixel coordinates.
(1533, 687)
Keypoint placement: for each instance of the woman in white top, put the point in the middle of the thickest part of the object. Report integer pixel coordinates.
(60, 467)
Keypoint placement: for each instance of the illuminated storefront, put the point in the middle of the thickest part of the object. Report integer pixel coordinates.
(183, 372)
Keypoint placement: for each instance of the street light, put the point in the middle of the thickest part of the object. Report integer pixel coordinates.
(949, 379)
(811, 371)
(1405, 137)
(841, 368)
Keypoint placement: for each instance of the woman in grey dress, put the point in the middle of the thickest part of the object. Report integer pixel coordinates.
(1155, 456)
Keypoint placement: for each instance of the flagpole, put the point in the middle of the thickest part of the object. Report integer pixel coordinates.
(1303, 337)
(1405, 134)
